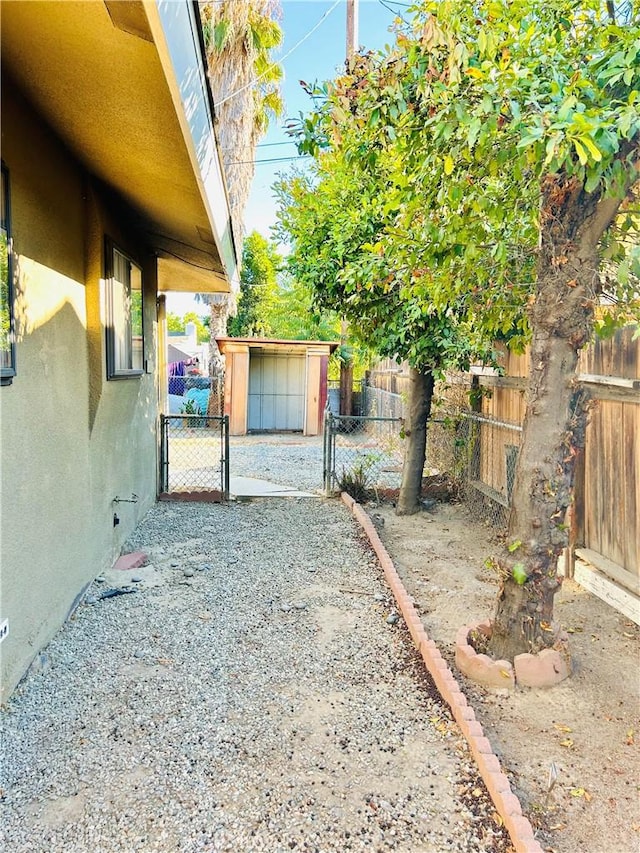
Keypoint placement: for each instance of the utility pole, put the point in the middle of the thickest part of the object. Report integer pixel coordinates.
(346, 369)
(352, 28)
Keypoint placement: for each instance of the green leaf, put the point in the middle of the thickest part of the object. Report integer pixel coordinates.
(220, 34)
(515, 545)
(593, 148)
(580, 151)
(448, 164)
(519, 573)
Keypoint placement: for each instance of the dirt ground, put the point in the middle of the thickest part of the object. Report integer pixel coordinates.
(588, 727)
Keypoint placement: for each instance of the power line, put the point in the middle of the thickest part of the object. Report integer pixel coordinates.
(286, 56)
(263, 145)
(269, 160)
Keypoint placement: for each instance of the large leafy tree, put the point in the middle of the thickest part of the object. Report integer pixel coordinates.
(272, 303)
(506, 138)
(258, 287)
(335, 217)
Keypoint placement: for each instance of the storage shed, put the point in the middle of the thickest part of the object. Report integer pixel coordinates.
(275, 385)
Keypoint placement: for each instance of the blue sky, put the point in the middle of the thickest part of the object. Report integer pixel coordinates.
(319, 58)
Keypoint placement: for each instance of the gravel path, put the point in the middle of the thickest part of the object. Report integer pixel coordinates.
(249, 696)
(287, 460)
(297, 460)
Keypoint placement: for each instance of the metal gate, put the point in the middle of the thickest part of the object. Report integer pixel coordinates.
(367, 449)
(194, 457)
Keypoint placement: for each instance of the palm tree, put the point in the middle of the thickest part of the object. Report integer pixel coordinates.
(240, 36)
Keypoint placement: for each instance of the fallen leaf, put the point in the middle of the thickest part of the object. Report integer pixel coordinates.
(546, 626)
(630, 738)
(578, 792)
(477, 792)
(635, 827)
(497, 819)
(557, 826)
(505, 674)
(561, 727)
(627, 634)
(568, 742)
(165, 661)
(204, 616)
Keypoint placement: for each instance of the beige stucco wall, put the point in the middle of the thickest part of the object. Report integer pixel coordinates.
(70, 440)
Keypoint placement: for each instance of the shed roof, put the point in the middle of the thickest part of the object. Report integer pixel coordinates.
(276, 344)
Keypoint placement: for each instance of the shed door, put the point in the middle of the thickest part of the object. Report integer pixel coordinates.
(276, 392)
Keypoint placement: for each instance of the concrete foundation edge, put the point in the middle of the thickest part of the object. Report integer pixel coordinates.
(505, 801)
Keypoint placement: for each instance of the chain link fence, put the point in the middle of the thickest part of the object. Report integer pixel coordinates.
(362, 453)
(470, 457)
(194, 454)
(475, 456)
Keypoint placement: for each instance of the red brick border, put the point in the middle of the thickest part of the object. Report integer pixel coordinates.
(506, 803)
(209, 496)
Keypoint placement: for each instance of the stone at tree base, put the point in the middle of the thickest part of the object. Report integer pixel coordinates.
(478, 667)
(546, 669)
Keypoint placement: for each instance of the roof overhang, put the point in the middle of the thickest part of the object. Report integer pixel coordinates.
(123, 84)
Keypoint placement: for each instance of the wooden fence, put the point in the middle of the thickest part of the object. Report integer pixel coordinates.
(604, 553)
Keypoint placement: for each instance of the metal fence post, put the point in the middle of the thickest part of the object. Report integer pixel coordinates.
(164, 454)
(327, 466)
(226, 464)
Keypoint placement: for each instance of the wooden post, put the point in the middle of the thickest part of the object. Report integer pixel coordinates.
(352, 28)
(474, 431)
(576, 516)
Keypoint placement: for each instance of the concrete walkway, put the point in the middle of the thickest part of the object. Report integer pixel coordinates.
(251, 487)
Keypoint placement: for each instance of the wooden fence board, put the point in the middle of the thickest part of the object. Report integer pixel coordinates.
(631, 443)
(609, 481)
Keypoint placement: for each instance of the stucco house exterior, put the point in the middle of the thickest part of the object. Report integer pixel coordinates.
(112, 194)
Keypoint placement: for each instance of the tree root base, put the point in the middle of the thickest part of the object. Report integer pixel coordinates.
(545, 669)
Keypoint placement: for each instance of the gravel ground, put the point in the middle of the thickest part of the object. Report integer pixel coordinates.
(297, 460)
(287, 460)
(251, 695)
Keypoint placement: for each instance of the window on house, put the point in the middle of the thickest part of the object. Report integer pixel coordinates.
(7, 345)
(125, 341)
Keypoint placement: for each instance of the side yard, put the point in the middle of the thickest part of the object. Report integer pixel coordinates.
(251, 695)
(588, 727)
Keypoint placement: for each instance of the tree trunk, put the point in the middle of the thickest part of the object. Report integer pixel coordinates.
(420, 396)
(346, 388)
(218, 316)
(572, 223)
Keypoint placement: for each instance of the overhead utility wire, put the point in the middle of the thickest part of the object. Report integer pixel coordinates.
(264, 145)
(270, 160)
(286, 56)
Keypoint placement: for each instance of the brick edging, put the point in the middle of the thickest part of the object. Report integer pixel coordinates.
(505, 801)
